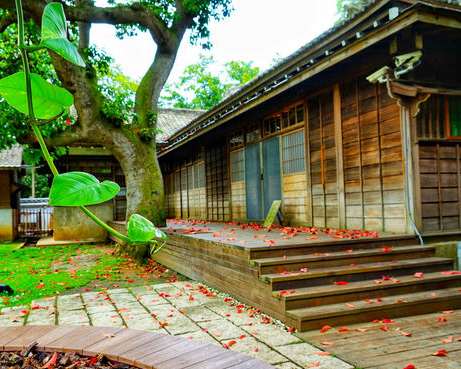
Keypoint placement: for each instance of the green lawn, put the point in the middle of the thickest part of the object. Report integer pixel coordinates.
(34, 273)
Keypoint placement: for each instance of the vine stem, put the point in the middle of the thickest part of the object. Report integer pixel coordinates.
(32, 120)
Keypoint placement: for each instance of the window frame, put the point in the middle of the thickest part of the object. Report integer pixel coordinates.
(447, 119)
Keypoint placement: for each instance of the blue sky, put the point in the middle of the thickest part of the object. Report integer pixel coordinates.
(257, 30)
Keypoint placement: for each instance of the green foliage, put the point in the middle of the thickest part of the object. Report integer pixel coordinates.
(200, 88)
(42, 185)
(201, 11)
(49, 101)
(80, 189)
(348, 8)
(54, 34)
(141, 229)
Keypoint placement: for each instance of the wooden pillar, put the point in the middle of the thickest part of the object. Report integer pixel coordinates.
(339, 157)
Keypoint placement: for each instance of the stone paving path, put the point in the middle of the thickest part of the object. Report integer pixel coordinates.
(187, 309)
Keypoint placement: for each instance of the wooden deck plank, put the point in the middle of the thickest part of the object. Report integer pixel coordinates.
(8, 334)
(226, 360)
(172, 353)
(80, 338)
(122, 341)
(158, 344)
(207, 353)
(250, 364)
(29, 336)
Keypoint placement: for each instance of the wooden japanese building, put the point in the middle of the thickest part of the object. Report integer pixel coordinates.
(358, 129)
(10, 168)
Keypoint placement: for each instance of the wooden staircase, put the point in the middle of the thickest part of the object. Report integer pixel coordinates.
(358, 280)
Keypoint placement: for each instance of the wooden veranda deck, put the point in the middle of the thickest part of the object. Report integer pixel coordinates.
(308, 280)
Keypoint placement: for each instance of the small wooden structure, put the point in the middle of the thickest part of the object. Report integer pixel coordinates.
(359, 129)
(147, 350)
(10, 167)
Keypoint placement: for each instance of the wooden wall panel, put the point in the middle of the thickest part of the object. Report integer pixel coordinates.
(440, 185)
(294, 206)
(322, 154)
(373, 166)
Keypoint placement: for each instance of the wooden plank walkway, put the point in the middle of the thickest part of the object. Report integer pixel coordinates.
(147, 350)
(396, 345)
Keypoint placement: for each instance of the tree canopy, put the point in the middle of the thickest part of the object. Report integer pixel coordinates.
(101, 110)
(201, 88)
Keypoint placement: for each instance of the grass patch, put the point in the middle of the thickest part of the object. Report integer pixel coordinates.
(35, 273)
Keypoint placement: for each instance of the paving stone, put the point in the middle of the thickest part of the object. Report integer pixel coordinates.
(49, 302)
(73, 317)
(152, 303)
(222, 329)
(93, 309)
(116, 291)
(200, 313)
(288, 365)
(104, 320)
(6, 322)
(232, 313)
(271, 334)
(145, 323)
(200, 336)
(303, 355)
(69, 302)
(247, 346)
(41, 317)
(183, 299)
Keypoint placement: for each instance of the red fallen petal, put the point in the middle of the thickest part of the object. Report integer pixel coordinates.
(312, 238)
(448, 340)
(325, 328)
(291, 329)
(227, 300)
(459, 339)
(410, 367)
(108, 335)
(350, 305)
(385, 278)
(230, 343)
(341, 283)
(52, 361)
(450, 272)
(379, 299)
(326, 343)
(361, 330)
(440, 353)
(352, 265)
(388, 321)
(384, 328)
(419, 275)
(255, 349)
(322, 353)
(447, 311)
(343, 329)
(282, 293)
(377, 282)
(242, 336)
(314, 365)
(376, 321)
(442, 320)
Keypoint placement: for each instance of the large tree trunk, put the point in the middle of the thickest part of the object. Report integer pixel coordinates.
(143, 180)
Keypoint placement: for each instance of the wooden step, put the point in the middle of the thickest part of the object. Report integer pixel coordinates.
(333, 245)
(390, 307)
(320, 276)
(350, 256)
(369, 289)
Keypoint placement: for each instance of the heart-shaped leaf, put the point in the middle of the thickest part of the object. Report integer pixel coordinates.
(141, 229)
(80, 189)
(54, 34)
(48, 100)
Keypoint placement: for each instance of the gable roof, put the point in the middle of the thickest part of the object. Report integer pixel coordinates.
(11, 158)
(305, 62)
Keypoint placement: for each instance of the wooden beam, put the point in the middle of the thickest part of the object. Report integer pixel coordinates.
(339, 156)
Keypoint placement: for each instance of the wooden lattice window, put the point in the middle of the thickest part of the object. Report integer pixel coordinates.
(252, 133)
(294, 152)
(236, 140)
(237, 166)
